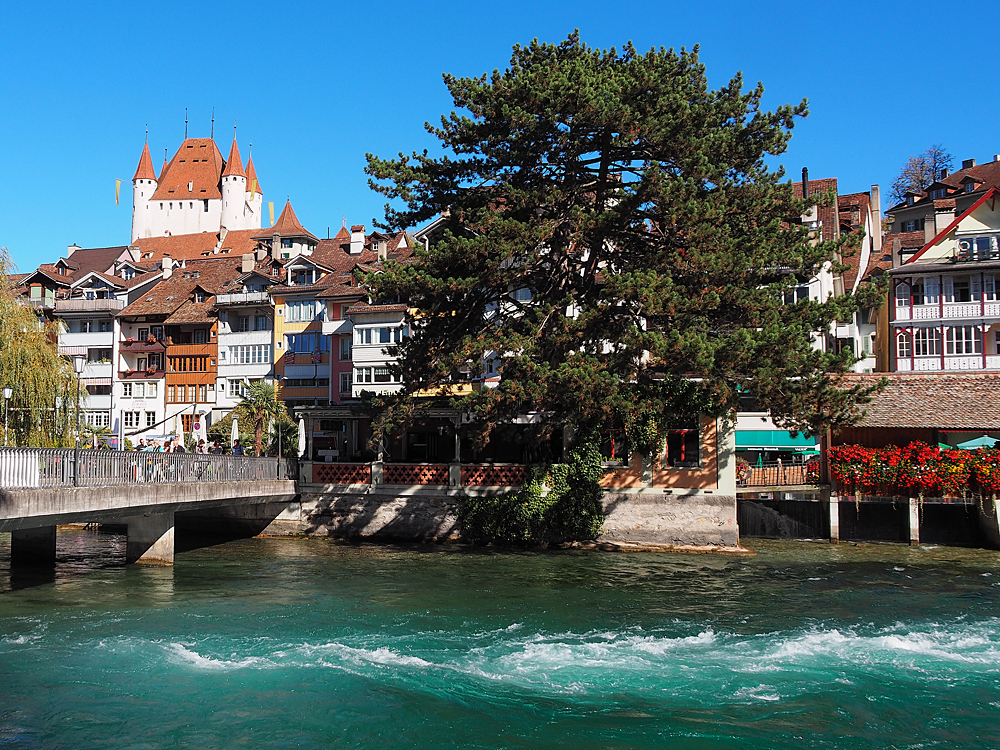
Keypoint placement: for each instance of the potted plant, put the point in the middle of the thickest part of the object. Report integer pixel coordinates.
(150, 340)
(130, 340)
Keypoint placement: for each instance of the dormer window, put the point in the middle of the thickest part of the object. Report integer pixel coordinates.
(938, 194)
(302, 277)
(909, 200)
(970, 186)
(286, 243)
(199, 296)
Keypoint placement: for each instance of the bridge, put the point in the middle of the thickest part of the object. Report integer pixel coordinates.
(43, 487)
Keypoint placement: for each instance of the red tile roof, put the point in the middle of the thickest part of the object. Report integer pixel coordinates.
(214, 276)
(253, 184)
(827, 214)
(197, 163)
(853, 210)
(145, 169)
(287, 225)
(946, 401)
(234, 164)
(987, 174)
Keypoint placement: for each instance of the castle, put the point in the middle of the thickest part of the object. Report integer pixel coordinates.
(196, 191)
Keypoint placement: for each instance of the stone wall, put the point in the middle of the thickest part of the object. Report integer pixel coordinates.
(693, 518)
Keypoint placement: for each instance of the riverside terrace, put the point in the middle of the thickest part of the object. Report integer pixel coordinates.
(43, 487)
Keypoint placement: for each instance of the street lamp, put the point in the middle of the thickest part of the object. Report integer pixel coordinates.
(78, 363)
(7, 393)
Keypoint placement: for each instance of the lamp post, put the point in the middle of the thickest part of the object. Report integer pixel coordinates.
(78, 362)
(7, 393)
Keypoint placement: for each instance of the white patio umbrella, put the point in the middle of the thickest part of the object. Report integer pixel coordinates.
(234, 434)
(302, 436)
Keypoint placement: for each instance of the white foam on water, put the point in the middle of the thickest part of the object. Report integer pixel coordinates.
(181, 654)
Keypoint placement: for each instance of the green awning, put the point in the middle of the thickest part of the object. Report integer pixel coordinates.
(774, 439)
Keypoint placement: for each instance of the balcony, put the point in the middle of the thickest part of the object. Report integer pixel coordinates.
(140, 374)
(335, 327)
(246, 298)
(98, 339)
(89, 305)
(936, 363)
(950, 311)
(146, 345)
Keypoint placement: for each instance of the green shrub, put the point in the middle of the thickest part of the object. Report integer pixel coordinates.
(559, 503)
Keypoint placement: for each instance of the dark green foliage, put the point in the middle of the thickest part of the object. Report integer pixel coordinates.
(570, 510)
(636, 205)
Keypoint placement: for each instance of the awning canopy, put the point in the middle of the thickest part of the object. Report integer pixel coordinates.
(781, 439)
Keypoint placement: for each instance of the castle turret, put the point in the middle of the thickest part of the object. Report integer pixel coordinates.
(255, 196)
(234, 192)
(143, 187)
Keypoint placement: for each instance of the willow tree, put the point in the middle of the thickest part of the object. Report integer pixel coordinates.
(42, 408)
(611, 232)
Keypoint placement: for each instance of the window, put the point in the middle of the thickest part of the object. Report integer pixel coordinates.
(126, 390)
(904, 347)
(963, 340)
(970, 187)
(140, 363)
(798, 294)
(306, 382)
(188, 364)
(286, 243)
(155, 361)
(186, 422)
(199, 296)
(926, 291)
(523, 294)
(250, 355)
(140, 390)
(302, 277)
(150, 419)
(303, 311)
(143, 334)
(105, 326)
(307, 342)
(151, 390)
(615, 447)
(98, 390)
(202, 392)
(171, 394)
(98, 419)
(383, 375)
(345, 348)
(199, 336)
(157, 332)
(902, 295)
(345, 382)
(244, 323)
(260, 323)
(381, 335)
(182, 393)
(236, 388)
(206, 206)
(131, 419)
(957, 289)
(363, 375)
(938, 194)
(98, 355)
(926, 341)
(683, 447)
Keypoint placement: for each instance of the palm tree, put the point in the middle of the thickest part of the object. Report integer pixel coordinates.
(261, 404)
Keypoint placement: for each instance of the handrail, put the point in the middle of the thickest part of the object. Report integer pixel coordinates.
(43, 468)
(774, 474)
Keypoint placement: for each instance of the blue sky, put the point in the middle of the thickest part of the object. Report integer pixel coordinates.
(316, 85)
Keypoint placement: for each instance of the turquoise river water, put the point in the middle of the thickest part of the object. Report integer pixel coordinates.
(309, 643)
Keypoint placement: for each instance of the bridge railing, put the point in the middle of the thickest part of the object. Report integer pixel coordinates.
(26, 468)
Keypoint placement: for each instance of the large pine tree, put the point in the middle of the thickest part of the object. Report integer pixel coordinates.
(614, 235)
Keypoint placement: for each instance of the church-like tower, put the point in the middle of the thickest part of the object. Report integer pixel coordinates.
(143, 187)
(234, 191)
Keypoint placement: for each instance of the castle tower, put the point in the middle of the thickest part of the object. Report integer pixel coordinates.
(255, 196)
(234, 192)
(143, 187)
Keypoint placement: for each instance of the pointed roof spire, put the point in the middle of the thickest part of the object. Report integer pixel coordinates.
(145, 169)
(163, 171)
(234, 164)
(252, 182)
(287, 225)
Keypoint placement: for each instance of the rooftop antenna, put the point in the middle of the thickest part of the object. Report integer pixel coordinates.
(345, 222)
(234, 127)
(213, 123)
(147, 132)
(185, 123)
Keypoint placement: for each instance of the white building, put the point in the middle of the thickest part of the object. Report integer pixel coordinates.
(197, 191)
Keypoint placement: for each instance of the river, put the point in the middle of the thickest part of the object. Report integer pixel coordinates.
(268, 643)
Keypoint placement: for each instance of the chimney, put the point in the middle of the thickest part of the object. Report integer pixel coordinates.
(72, 249)
(996, 157)
(968, 163)
(167, 264)
(945, 172)
(184, 262)
(357, 239)
(261, 252)
(805, 182)
(248, 263)
(876, 210)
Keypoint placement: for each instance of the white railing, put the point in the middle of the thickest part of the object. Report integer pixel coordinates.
(963, 310)
(971, 362)
(39, 468)
(926, 312)
(245, 298)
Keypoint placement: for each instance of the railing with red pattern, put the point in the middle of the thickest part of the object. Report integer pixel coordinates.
(342, 473)
(411, 474)
(492, 475)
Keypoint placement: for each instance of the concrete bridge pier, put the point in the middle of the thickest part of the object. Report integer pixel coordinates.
(914, 518)
(834, 505)
(33, 546)
(150, 539)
